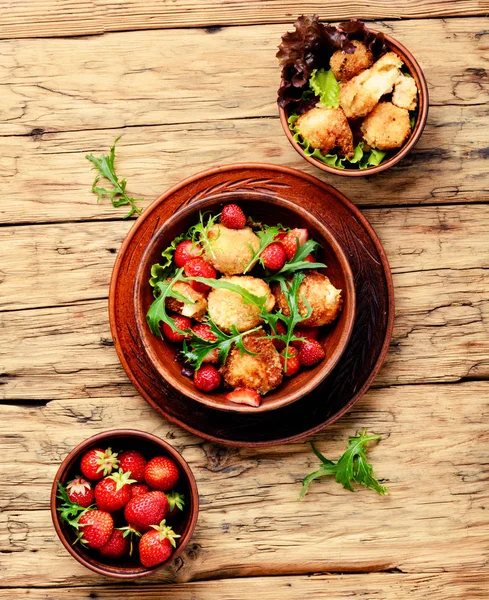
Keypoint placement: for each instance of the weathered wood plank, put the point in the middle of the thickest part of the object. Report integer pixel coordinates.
(250, 522)
(63, 18)
(388, 586)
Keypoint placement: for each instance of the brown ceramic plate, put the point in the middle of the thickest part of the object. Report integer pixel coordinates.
(363, 355)
(150, 445)
(423, 102)
(271, 210)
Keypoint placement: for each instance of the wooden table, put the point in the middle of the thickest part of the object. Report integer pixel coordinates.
(191, 84)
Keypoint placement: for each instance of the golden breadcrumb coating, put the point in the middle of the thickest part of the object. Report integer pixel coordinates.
(360, 95)
(227, 308)
(230, 250)
(405, 93)
(324, 298)
(261, 372)
(194, 311)
(326, 128)
(345, 66)
(386, 127)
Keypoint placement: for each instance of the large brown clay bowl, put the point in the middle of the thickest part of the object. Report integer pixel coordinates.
(270, 210)
(150, 445)
(423, 102)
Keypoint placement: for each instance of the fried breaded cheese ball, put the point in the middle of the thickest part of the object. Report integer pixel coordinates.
(405, 93)
(193, 311)
(261, 372)
(359, 96)
(324, 298)
(230, 250)
(326, 128)
(227, 308)
(386, 127)
(346, 66)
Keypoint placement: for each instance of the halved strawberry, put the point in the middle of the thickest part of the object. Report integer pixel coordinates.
(204, 331)
(185, 251)
(183, 323)
(198, 267)
(289, 241)
(244, 396)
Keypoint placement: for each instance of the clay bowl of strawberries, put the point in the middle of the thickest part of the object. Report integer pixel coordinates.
(244, 302)
(124, 503)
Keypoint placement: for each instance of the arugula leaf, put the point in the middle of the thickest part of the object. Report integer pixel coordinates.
(197, 348)
(105, 167)
(352, 467)
(361, 158)
(298, 262)
(200, 232)
(248, 297)
(157, 311)
(266, 237)
(70, 511)
(323, 83)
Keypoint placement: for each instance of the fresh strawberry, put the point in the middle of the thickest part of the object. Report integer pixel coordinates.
(117, 546)
(98, 463)
(204, 331)
(139, 488)
(156, 546)
(133, 462)
(308, 333)
(233, 217)
(96, 528)
(198, 267)
(310, 353)
(281, 330)
(161, 473)
(114, 492)
(176, 501)
(310, 258)
(145, 510)
(244, 396)
(293, 364)
(290, 239)
(273, 256)
(183, 323)
(207, 378)
(185, 251)
(79, 490)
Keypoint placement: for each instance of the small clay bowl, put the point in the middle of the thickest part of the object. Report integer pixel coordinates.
(423, 102)
(150, 445)
(270, 210)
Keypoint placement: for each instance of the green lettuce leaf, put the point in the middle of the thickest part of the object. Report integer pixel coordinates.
(323, 84)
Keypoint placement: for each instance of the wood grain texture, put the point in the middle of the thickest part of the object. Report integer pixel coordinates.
(442, 586)
(63, 18)
(47, 178)
(250, 522)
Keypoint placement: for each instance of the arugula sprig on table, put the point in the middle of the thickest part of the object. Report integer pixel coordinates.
(117, 195)
(352, 467)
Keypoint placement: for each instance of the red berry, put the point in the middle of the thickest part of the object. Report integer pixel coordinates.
(183, 323)
(274, 256)
(80, 490)
(310, 258)
(117, 546)
(233, 217)
(161, 473)
(156, 546)
(139, 488)
(198, 267)
(98, 463)
(281, 330)
(244, 396)
(133, 462)
(308, 333)
(289, 241)
(145, 510)
(185, 251)
(96, 527)
(204, 331)
(207, 378)
(113, 492)
(310, 353)
(293, 363)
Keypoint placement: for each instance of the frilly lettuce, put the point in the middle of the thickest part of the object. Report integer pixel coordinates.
(323, 83)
